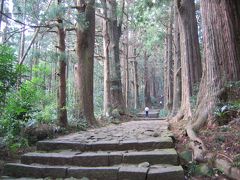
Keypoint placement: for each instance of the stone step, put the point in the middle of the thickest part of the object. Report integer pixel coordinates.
(142, 144)
(157, 156)
(150, 119)
(123, 172)
(150, 114)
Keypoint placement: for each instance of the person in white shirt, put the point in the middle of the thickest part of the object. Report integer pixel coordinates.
(146, 111)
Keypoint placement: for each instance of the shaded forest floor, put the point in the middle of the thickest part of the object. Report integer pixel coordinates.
(221, 142)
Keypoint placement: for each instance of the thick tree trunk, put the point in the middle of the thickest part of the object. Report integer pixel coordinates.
(126, 68)
(85, 53)
(106, 43)
(177, 83)
(170, 62)
(189, 50)
(221, 55)
(62, 110)
(221, 59)
(147, 96)
(117, 101)
(165, 74)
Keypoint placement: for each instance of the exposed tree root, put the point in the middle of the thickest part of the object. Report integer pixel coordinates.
(196, 145)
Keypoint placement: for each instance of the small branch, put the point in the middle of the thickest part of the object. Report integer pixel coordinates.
(28, 48)
(19, 22)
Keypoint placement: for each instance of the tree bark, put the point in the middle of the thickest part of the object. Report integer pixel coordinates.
(189, 51)
(2, 5)
(85, 52)
(177, 84)
(126, 68)
(221, 55)
(170, 62)
(165, 74)
(106, 43)
(135, 81)
(221, 59)
(147, 96)
(117, 101)
(62, 110)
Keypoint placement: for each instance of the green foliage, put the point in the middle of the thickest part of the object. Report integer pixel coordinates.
(236, 161)
(29, 103)
(220, 139)
(194, 169)
(8, 72)
(147, 17)
(225, 128)
(79, 123)
(56, 11)
(163, 113)
(219, 113)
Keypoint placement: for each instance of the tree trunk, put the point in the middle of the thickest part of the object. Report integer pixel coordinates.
(177, 86)
(165, 74)
(106, 42)
(135, 81)
(2, 3)
(189, 50)
(221, 59)
(170, 63)
(147, 96)
(85, 53)
(117, 101)
(126, 68)
(62, 110)
(221, 55)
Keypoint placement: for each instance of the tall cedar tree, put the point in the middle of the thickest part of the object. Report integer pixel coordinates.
(221, 58)
(177, 89)
(85, 54)
(190, 53)
(106, 43)
(115, 27)
(62, 110)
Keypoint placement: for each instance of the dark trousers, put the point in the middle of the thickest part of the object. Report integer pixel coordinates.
(146, 114)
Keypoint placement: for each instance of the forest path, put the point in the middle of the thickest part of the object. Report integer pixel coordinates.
(132, 150)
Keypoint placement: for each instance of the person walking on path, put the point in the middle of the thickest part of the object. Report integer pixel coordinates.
(146, 111)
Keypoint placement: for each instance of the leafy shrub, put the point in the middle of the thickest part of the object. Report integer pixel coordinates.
(29, 103)
(163, 113)
(8, 72)
(236, 161)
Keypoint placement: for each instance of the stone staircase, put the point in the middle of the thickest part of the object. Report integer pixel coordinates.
(152, 114)
(137, 150)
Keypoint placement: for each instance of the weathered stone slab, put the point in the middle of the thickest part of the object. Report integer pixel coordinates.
(48, 158)
(127, 144)
(155, 143)
(163, 156)
(132, 173)
(104, 145)
(153, 119)
(98, 173)
(166, 173)
(150, 115)
(115, 158)
(56, 145)
(91, 159)
(22, 170)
